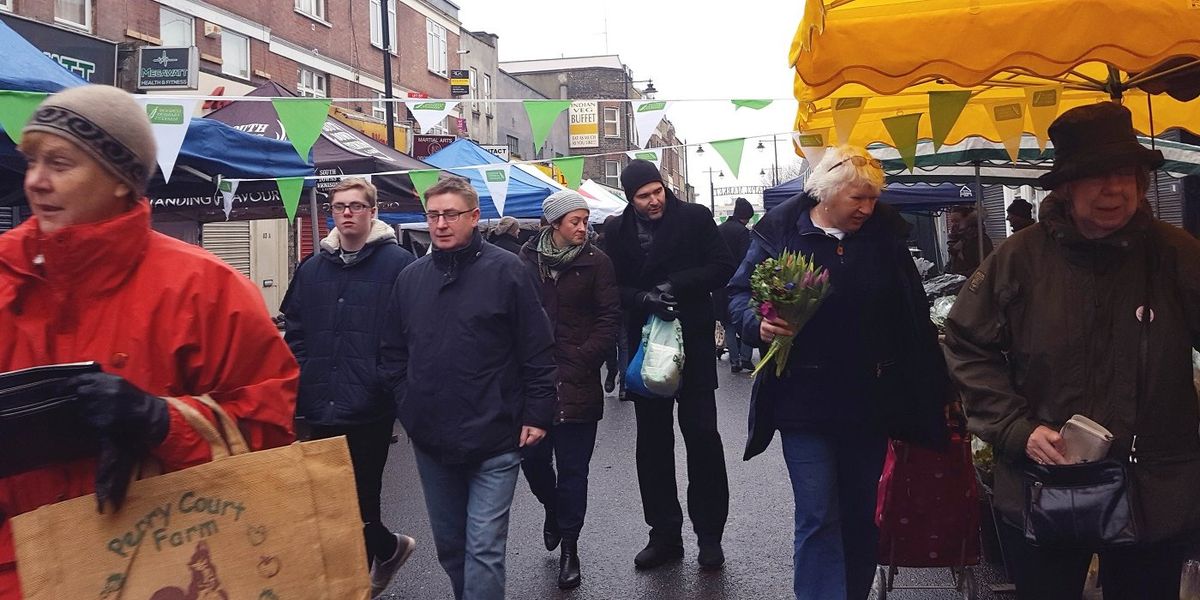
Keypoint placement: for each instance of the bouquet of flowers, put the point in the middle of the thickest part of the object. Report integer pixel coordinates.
(790, 287)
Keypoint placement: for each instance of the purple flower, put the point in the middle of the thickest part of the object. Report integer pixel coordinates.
(789, 286)
(807, 280)
(767, 310)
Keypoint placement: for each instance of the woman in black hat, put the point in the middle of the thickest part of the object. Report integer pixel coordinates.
(1052, 326)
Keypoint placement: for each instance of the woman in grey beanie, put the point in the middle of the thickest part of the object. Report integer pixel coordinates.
(579, 293)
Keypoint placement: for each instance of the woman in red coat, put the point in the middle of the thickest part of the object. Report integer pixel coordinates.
(86, 279)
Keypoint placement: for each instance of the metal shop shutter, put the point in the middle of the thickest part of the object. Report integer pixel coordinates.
(7, 220)
(993, 212)
(230, 241)
(1168, 205)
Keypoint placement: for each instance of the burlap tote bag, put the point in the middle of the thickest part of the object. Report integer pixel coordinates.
(280, 524)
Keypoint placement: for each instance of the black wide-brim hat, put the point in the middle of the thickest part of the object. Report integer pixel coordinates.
(1093, 140)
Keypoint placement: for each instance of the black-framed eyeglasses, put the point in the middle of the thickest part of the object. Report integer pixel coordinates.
(355, 207)
(451, 216)
(859, 161)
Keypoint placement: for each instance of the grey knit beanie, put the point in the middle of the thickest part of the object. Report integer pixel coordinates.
(107, 124)
(560, 203)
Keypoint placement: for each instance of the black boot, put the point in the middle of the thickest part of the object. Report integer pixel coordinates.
(550, 533)
(657, 554)
(712, 556)
(569, 576)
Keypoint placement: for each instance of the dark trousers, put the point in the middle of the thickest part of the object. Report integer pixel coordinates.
(733, 343)
(1149, 572)
(369, 444)
(567, 446)
(708, 484)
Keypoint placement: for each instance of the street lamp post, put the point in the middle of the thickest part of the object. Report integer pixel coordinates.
(775, 150)
(712, 190)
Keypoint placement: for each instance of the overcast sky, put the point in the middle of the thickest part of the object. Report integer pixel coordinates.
(692, 50)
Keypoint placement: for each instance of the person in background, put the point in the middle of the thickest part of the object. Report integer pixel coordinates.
(331, 310)
(87, 279)
(736, 235)
(1051, 326)
(669, 258)
(579, 293)
(508, 234)
(468, 354)
(963, 241)
(617, 361)
(1019, 214)
(864, 368)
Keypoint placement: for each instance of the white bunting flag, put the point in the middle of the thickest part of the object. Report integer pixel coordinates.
(496, 178)
(653, 155)
(227, 188)
(647, 114)
(813, 144)
(169, 120)
(429, 113)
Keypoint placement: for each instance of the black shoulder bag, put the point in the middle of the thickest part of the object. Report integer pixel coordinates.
(1090, 505)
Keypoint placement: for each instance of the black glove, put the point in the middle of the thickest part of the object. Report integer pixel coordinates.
(129, 422)
(660, 302)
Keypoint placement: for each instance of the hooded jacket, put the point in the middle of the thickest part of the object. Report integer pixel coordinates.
(333, 310)
(468, 353)
(1047, 328)
(868, 359)
(169, 317)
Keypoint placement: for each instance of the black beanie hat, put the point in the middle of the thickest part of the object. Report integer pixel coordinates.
(638, 173)
(742, 209)
(1022, 207)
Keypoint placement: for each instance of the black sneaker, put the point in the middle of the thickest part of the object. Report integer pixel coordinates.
(382, 572)
(711, 557)
(656, 555)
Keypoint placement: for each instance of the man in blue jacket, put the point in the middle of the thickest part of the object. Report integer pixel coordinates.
(331, 310)
(468, 353)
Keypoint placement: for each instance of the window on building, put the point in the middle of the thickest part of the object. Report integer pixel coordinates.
(377, 25)
(435, 48)
(612, 173)
(487, 94)
(315, 8)
(175, 29)
(77, 13)
(612, 122)
(312, 84)
(235, 54)
(514, 147)
(475, 89)
(378, 110)
(6, 5)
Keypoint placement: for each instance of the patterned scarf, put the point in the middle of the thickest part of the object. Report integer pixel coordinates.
(552, 259)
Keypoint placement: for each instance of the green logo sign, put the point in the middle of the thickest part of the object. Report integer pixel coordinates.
(430, 106)
(650, 156)
(495, 176)
(649, 106)
(811, 140)
(1045, 98)
(844, 103)
(1007, 112)
(165, 114)
(225, 186)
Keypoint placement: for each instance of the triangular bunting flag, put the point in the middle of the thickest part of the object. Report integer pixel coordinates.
(845, 115)
(1042, 103)
(289, 192)
(423, 180)
(653, 155)
(647, 114)
(944, 110)
(169, 120)
(302, 119)
(430, 113)
(731, 151)
(812, 144)
(542, 115)
(496, 179)
(903, 129)
(751, 104)
(571, 168)
(1009, 118)
(16, 108)
(227, 188)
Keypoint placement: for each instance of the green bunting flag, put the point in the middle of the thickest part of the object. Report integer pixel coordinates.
(731, 151)
(302, 120)
(751, 104)
(572, 170)
(944, 110)
(289, 192)
(16, 108)
(542, 115)
(423, 180)
(903, 130)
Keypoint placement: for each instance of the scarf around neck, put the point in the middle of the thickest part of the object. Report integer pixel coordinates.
(552, 259)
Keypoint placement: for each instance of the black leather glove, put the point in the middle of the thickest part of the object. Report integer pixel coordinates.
(129, 422)
(660, 302)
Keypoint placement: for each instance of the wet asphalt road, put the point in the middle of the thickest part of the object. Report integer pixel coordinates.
(758, 537)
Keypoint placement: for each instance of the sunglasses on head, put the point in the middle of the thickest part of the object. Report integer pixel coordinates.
(859, 161)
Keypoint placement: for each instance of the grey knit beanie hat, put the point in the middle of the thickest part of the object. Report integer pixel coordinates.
(107, 124)
(560, 203)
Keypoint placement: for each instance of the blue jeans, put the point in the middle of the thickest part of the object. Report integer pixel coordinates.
(835, 479)
(468, 511)
(567, 446)
(733, 342)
